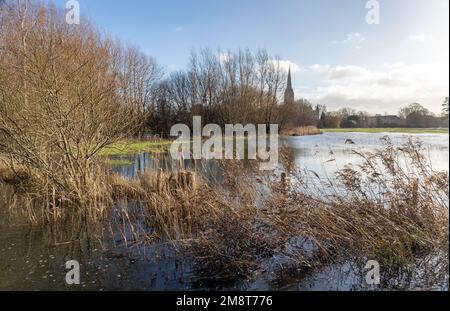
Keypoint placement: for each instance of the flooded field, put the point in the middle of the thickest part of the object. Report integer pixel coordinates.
(329, 152)
(33, 259)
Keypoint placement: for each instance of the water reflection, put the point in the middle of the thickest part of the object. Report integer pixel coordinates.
(323, 154)
(147, 162)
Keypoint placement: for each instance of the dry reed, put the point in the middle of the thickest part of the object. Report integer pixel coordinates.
(392, 207)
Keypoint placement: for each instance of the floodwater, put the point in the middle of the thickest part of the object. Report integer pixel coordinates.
(33, 259)
(327, 153)
(323, 154)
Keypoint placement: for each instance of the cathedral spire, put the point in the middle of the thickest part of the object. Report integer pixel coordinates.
(289, 96)
(289, 83)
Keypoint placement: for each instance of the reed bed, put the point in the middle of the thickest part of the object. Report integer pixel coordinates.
(45, 202)
(391, 207)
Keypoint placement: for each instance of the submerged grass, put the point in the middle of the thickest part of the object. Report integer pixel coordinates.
(133, 147)
(44, 203)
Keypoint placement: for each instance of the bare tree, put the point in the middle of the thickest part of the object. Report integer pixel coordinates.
(139, 76)
(240, 87)
(59, 97)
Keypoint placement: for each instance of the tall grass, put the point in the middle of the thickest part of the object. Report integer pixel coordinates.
(43, 203)
(392, 207)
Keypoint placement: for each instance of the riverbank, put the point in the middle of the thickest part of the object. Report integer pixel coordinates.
(387, 130)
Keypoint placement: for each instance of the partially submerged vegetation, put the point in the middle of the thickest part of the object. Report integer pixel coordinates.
(64, 97)
(392, 207)
(132, 147)
(379, 210)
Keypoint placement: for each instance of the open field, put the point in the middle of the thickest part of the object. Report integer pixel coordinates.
(387, 130)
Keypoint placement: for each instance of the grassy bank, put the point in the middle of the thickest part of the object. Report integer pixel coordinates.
(132, 147)
(388, 130)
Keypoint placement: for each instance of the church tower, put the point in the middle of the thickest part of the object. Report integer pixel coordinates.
(289, 96)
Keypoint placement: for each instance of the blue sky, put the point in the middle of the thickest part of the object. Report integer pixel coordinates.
(339, 60)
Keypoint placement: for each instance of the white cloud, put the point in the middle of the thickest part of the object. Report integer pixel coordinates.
(347, 72)
(418, 38)
(384, 90)
(282, 64)
(320, 68)
(286, 64)
(353, 38)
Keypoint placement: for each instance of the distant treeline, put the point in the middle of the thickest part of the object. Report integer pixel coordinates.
(411, 116)
(245, 87)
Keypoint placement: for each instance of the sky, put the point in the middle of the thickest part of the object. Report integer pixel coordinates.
(338, 59)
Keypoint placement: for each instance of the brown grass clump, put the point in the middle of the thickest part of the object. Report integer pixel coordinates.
(231, 246)
(37, 199)
(392, 208)
(122, 187)
(217, 226)
(176, 203)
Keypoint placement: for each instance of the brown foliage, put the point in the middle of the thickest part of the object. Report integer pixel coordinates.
(59, 98)
(392, 207)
